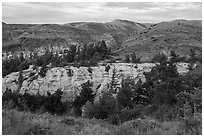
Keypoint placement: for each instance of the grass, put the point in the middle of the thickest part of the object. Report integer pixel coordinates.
(25, 123)
(21, 123)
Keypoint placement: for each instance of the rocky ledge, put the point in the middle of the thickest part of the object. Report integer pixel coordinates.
(69, 78)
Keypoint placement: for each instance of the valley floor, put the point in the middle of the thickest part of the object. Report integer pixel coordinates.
(18, 123)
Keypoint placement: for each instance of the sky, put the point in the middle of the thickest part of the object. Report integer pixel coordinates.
(65, 12)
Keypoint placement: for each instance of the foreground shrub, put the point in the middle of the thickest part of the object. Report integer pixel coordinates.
(101, 109)
(95, 129)
(105, 106)
(88, 110)
(139, 127)
(14, 123)
(165, 113)
(38, 130)
(192, 125)
(36, 103)
(130, 114)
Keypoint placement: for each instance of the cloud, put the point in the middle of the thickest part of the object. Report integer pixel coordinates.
(61, 12)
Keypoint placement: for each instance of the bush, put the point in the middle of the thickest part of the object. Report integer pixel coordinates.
(107, 68)
(139, 127)
(38, 130)
(87, 56)
(43, 71)
(70, 72)
(166, 113)
(105, 106)
(101, 109)
(127, 58)
(85, 95)
(127, 114)
(131, 93)
(164, 83)
(88, 110)
(192, 125)
(36, 103)
(14, 64)
(134, 58)
(125, 94)
(159, 58)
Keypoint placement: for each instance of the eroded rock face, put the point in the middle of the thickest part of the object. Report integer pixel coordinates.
(60, 78)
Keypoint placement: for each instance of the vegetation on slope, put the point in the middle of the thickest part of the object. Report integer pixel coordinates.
(87, 55)
(167, 103)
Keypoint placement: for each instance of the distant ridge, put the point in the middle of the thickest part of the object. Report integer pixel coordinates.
(122, 36)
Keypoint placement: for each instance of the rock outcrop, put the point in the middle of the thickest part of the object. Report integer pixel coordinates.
(70, 84)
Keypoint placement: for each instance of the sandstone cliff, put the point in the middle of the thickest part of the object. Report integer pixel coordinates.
(60, 78)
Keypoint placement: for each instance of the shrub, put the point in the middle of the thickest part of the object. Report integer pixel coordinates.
(192, 55)
(43, 71)
(159, 58)
(131, 93)
(125, 94)
(88, 110)
(15, 124)
(127, 114)
(36, 103)
(85, 95)
(192, 125)
(70, 72)
(107, 68)
(164, 83)
(139, 127)
(38, 130)
(127, 58)
(193, 99)
(93, 62)
(105, 106)
(102, 109)
(166, 113)
(14, 64)
(134, 58)
(87, 56)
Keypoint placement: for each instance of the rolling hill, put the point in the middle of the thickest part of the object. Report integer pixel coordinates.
(178, 35)
(122, 36)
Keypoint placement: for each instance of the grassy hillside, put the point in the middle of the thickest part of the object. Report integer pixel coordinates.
(177, 35)
(36, 35)
(122, 36)
(25, 123)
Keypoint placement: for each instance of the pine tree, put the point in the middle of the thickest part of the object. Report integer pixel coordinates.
(192, 55)
(85, 95)
(134, 58)
(164, 82)
(127, 58)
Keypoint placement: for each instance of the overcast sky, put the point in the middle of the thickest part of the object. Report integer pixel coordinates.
(57, 12)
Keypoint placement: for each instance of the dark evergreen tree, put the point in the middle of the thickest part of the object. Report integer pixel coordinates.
(43, 71)
(192, 55)
(125, 94)
(159, 58)
(85, 95)
(127, 58)
(173, 56)
(164, 82)
(134, 58)
(105, 107)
